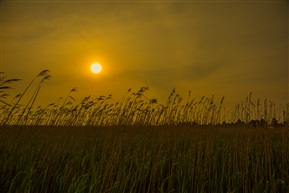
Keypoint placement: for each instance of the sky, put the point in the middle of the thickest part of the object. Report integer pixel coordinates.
(220, 48)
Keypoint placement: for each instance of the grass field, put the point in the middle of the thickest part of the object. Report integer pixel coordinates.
(185, 158)
(140, 145)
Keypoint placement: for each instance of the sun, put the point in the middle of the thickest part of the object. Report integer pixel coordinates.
(95, 68)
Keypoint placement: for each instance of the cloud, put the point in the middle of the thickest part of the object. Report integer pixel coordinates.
(156, 44)
(168, 77)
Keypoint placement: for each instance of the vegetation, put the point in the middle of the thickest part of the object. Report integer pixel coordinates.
(144, 159)
(138, 145)
(135, 109)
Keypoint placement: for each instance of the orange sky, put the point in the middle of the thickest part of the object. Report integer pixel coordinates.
(222, 48)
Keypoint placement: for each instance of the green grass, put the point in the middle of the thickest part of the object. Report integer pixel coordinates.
(143, 159)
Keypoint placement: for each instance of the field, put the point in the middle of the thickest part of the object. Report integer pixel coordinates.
(183, 158)
(140, 145)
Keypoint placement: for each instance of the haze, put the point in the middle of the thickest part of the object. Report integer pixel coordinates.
(207, 47)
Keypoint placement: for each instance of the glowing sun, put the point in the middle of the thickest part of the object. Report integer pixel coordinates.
(95, 68)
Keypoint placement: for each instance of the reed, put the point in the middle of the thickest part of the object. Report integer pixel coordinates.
(144, 159)
(140, 145)
(6, 120)
(135, 109)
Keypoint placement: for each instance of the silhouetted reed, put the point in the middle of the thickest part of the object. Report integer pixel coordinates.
(134, 109)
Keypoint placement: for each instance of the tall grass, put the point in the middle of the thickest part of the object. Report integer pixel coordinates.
(140, 145)
(144, 159)
(3, 81)
(134, 109)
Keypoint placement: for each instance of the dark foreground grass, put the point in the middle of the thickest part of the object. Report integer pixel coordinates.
(143, 159)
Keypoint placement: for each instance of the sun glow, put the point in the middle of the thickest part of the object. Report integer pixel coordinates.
(95, 68)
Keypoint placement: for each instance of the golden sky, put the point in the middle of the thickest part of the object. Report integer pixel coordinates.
(207, 47)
